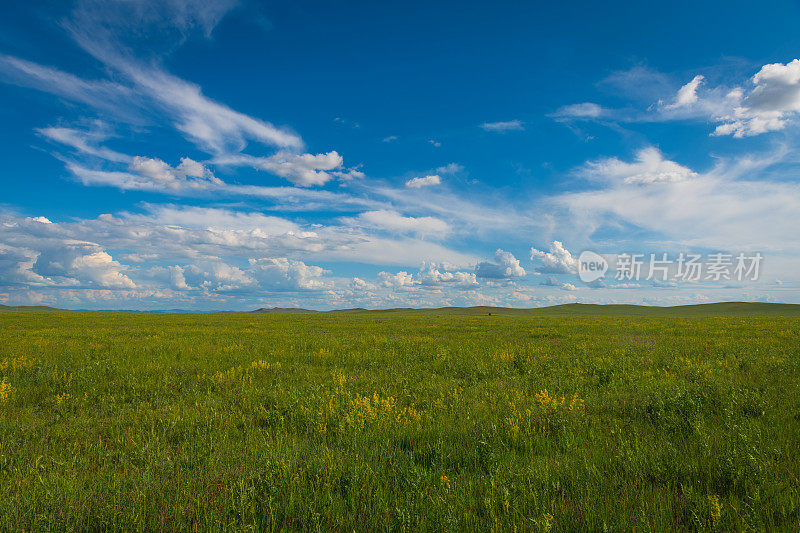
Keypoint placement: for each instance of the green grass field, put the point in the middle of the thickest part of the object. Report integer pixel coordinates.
(399, 421)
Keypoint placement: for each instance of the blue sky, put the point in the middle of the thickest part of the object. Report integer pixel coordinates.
(231, 155)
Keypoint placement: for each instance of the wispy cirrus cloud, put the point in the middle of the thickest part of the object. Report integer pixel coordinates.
(503, 126)
(394, 222)
(110, 97)
(582, 111)
(85, 142)
(104, 30)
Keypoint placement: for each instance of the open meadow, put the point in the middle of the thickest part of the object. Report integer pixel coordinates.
(400, 421)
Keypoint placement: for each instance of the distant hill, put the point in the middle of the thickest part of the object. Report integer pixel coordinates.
(283, 311)
(734, 309)
(25, 308)
(723, 309)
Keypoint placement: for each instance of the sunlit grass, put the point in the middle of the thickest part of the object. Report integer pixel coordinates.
(367, 422)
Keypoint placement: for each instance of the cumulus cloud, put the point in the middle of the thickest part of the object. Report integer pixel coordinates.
(290, 274)
(502, 127)
(650, 167)
(400, 279)
(425, 181)
(504, 266)
(770, 102)
(430, 274)
(769, 105)
(360, 285)
(259, 276)
(81, 264)
(183, 236)
(16, 267)
(150, 174)
(216, 276)
(188, 173)
(558, 260)
(687, 94)
(305, 170)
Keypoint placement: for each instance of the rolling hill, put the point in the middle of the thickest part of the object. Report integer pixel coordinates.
(722, 309)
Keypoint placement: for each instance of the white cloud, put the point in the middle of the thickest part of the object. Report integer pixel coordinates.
(450, 168)
(558, 260)
(213, 126)
(259, 276)
(188, 173)
(687, 94)
(106, 96)
(287, 198)
(650, 167)
(170, 235)
(553, 282)
(502, 127)
(425, 181)
(16, 267)
(723, 208)
(586, 110)
(773, 101)
(401, 279)
(347, 175)
(360, 285)
(304, 170)
(213, 219)
(284, 273)
(395, 222)
(85, 142)
(150, 174)
(81, 263)
(430, 274)
(505, 266)
(100, 30)
(435, 143)
(165, 19)
(214, 276)
(770, 103)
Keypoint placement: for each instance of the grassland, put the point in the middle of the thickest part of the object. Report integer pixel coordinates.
(366, 421)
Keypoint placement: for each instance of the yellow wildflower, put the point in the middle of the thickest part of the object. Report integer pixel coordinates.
(5, 390)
